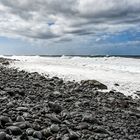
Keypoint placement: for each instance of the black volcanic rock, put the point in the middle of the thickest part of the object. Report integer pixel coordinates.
(93, 84)
(37, 108)
(2, 135)
(14, 130)
(55, 107)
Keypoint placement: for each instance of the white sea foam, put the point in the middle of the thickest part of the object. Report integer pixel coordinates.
(108, 70)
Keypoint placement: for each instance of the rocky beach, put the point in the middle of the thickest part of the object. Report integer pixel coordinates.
(34, 107)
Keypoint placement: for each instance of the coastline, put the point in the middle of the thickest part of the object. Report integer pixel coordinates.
(109, 70)
(50, 108)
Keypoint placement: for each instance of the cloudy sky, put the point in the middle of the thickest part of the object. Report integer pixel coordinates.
(69, 27)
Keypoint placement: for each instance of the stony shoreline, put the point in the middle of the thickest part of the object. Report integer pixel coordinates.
(37, 108)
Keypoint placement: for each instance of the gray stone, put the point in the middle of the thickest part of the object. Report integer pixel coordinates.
(82, 126)
(57, 94)
(90, 118)
(55, 107)
(2, 135)
(22, 109)
(37, 134)
(54, 128)
(20, 119)
(4, 119)
(98, 129)
(14, 130)
(47, 132)
(30, 131)
(8, 137)
(73, 135)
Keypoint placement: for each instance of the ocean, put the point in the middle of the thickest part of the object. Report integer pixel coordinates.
(110, 70)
